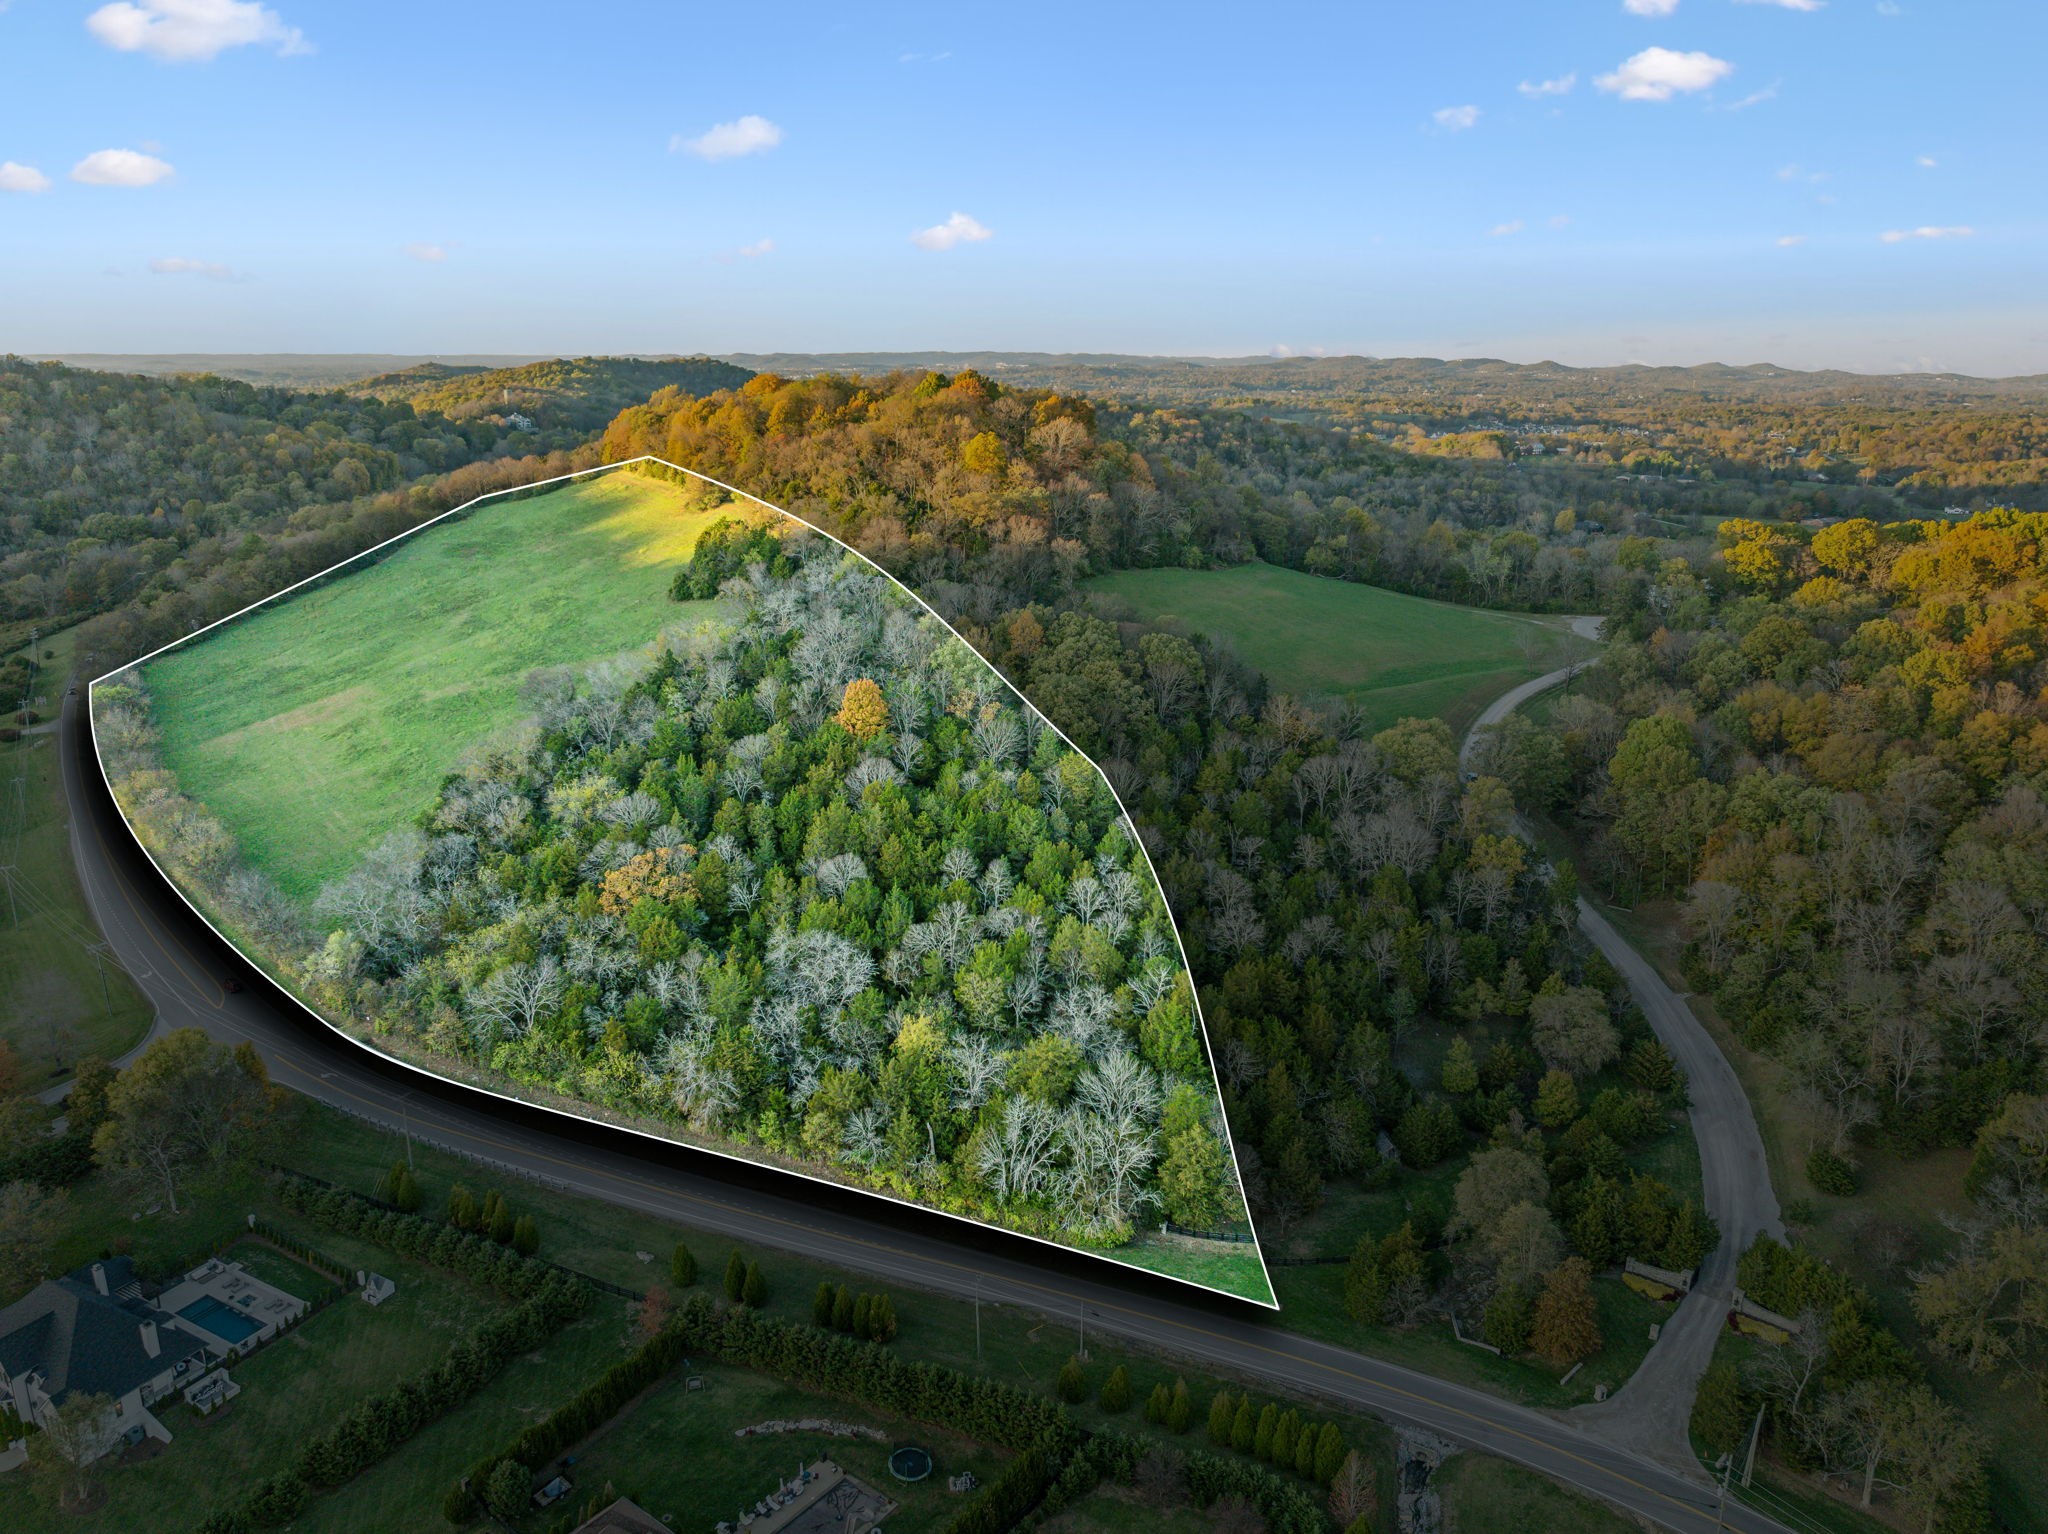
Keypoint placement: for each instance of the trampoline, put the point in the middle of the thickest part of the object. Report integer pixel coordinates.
(910, 1464)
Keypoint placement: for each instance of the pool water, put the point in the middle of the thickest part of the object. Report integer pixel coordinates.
(224, 1321)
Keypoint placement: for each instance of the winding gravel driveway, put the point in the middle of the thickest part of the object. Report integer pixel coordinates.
(1650, 1413)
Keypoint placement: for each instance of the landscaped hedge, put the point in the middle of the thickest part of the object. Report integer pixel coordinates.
(585, 1412)
(1287, 1506)
(411, 1235)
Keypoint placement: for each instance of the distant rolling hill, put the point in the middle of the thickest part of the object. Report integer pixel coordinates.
(579, 392)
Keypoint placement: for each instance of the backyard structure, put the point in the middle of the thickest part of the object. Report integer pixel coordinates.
(820, 1499)
(624, 1516)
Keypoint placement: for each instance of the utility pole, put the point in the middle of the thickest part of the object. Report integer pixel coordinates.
(977, 1320)
(1725, 1464)
(1756, 1432)
(13, 915)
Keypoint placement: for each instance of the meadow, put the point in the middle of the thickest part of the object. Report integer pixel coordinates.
(1390, 655)
(321, 722)
(60, 996)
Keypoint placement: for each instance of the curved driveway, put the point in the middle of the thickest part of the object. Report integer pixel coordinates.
(177, 960)
(1651, 1412)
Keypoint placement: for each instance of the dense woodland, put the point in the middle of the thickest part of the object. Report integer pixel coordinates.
(810, 879)
(1827, 740)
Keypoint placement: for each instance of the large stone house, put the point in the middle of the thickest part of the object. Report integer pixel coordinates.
(91, 1332)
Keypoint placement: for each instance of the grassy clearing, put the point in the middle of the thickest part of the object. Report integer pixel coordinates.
(53, 1004)
(1114, 1509)
(318, 725)
(1482, 1495)
(1394, 656)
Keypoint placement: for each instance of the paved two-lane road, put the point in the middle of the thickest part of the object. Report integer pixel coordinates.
(1651, 1412)
(178, 962)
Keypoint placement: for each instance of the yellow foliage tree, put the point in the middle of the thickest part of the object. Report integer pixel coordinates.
(863, 711)
(650, 876)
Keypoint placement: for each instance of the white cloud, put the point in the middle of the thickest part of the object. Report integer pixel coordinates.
(1798, 172)
(1754, 99)
(427, 250)
(1649, 7)
(1658, 74)
(192, 31)
(762, 247)
(924, 58)
(1925, 161)
(1559, 221)
(120, 167)
(1455, 119)
(1927, 232)
(22, 178)
(728, 141)
(1889, 8)
(180, 266)
(1561, 86)
(1788, 5)
(1512, 226)
(957, 230)
(1787, 241)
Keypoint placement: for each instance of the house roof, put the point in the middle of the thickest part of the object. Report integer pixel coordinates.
(624, 1516)
(82, 1340)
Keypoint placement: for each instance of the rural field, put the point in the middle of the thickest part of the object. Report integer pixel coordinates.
(314, 727)
(59, 998)
(1393, 656)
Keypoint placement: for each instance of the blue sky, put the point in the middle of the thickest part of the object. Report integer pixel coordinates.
(1843, 184)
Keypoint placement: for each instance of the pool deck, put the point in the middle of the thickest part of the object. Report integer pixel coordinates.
(265, 1306)
(831, 1501)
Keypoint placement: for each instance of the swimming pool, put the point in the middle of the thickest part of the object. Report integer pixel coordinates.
(224, 1321)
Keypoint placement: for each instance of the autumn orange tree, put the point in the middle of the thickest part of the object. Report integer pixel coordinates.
(863, 711)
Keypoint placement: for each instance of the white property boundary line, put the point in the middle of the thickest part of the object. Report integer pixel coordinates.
(1201, 1022)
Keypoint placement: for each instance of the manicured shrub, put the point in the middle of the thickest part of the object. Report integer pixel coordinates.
(1072, 1385)
(754, 1287)
(682, 1267)
(735, 1277)
(1830, 1173)
(821, 1304)
(1222, 1411)
(1116, 1390)
(1156, 1405)
(526, 1235)
(1180, 1410)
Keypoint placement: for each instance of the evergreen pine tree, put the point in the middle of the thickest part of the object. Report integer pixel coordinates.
(682, 1266)
(526, 1235)
(862, 1308)
(1244, 1425)
(1329, 1453)
(1072, 1384)
(1461, 1071)
(754, 1287)
(1180, 1411)
(1720, 1413)
(1284, 1432)
(1262, 1432)
(821, 1305)
(842, 1309)
(1222, 1411)
(1566, 1327)
(1156, 1404)
(1305, 1450)
(1116, 1390)
(735, 1277)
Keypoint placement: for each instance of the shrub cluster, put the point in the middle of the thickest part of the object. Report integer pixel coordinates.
(1283, 1438)
(410, 1235)
(870, 1317)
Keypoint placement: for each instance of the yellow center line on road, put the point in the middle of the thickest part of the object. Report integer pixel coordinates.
(871, 1244)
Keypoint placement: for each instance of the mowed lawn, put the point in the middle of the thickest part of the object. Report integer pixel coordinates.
(1394, 656)
(316, 726)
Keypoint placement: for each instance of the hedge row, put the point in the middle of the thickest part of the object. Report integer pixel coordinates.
(383, 1422)
(411, 1235)
(578, 1417)
(1286, 1505)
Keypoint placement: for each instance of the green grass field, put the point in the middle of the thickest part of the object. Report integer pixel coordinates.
(320, 724)
(1482, 1495)
(1393, 656)
(54, 1004)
